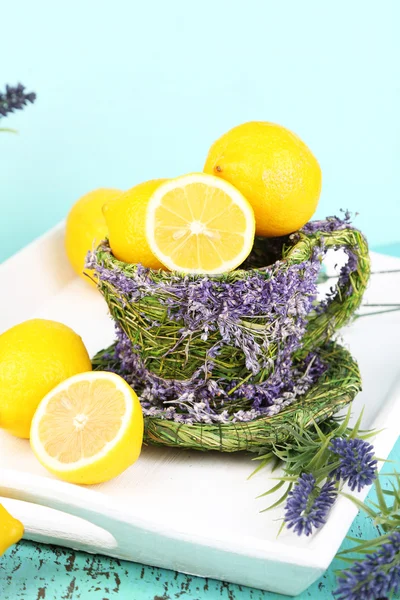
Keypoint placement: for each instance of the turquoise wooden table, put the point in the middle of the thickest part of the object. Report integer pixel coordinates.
(37, 572)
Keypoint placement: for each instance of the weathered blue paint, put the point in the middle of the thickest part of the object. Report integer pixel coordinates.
(37, 572)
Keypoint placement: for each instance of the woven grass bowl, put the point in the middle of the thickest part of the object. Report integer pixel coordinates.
(234, 341)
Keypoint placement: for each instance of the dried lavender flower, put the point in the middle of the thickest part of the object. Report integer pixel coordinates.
(15, 98)
(329, 224)
(203, 399)
(358, 465)
(376, 576)
(307, 505)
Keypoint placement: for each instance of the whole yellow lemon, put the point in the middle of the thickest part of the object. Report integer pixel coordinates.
(86, 227)
(35, 356)
(11, 530)
(126, 222)
(274, 170)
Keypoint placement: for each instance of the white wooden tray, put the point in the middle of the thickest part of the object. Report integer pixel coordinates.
(192, 512)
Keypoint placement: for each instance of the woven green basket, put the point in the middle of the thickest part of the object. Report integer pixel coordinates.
(155, 333)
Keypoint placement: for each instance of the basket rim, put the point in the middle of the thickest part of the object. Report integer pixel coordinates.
(158, 275)
(297, 248)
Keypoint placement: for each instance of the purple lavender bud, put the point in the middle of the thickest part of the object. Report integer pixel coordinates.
(329, 224)
(15, 98)
(307, 505)
(376, 576)
(357, 466)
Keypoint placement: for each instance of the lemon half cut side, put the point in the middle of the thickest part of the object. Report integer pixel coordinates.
(89, 428)
(201, 224)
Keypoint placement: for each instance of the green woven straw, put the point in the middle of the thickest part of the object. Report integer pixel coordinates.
(161, 347)
(335, 388)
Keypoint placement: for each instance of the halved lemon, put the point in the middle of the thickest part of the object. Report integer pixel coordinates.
(89, 428)
(199, 224)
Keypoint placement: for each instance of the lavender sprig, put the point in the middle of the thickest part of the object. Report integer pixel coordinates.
(357, 466)
(310, 460)
(308, 505)
(376, 576)
(15, 98)
(311, 465)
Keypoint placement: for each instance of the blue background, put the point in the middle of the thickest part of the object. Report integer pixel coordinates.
(131, 90)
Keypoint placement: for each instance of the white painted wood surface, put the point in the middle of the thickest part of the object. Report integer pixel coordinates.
(183, 510)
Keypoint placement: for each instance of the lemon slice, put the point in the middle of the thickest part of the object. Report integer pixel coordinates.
(89, 428)
(199, 224)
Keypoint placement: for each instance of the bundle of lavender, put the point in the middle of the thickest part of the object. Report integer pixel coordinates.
(319, 465)
(14, 98)
(226, 362)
